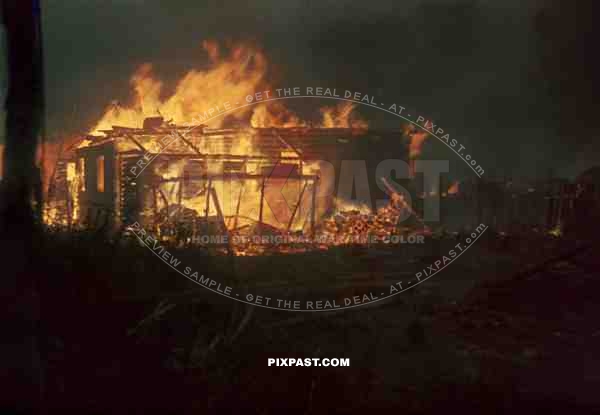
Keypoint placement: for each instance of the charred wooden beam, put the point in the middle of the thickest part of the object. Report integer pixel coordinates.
(189, 143)
(239, 203)
(179, 197)
(286, 143)
(262, 198)
(164, 198)
(155, 200)
(207, 208)
(233, 157)
(221, 217)
(313, 210)
(297, 206)
(240, 176)
(136, 142)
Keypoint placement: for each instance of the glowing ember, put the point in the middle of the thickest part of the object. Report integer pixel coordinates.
(345, 206)
(452, 190)
(356, 224)
(416, 138)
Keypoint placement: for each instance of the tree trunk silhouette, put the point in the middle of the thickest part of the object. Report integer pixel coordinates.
(19, 227)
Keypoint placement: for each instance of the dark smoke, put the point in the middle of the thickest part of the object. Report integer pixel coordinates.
(569, 39)
(513, 80)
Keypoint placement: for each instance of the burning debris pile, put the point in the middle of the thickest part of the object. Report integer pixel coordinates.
(360, 225)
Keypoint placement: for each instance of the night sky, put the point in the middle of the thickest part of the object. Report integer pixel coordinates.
(510, 79)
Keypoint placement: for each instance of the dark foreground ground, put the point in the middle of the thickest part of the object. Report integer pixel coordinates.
(512, 326)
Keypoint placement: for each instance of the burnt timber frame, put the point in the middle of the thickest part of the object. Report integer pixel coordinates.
(243, 177)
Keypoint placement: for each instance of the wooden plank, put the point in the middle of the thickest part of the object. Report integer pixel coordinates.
(136, 142)
(262, 197)
(297, 206)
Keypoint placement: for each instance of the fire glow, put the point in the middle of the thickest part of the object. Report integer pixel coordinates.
(221, 178)
(228, 77)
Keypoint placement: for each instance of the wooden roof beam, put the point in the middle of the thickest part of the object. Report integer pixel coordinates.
(136, 142)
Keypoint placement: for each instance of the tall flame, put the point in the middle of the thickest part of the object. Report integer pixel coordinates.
(342, 116)
(228, 78)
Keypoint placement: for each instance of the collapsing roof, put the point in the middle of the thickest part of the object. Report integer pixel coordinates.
(303, 142)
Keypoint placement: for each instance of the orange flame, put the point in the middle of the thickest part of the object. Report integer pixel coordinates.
(47, 155)
(416, 139)
(342, 116)
(228, 78)
(452, 190)
(274, 115)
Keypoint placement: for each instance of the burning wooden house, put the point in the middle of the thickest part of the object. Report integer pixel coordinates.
(206, 181)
